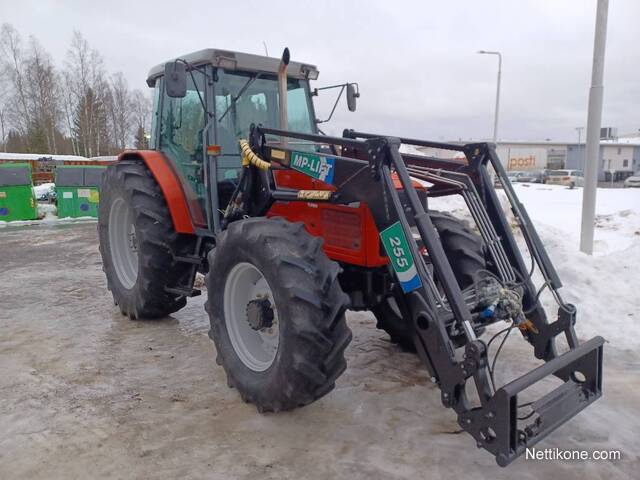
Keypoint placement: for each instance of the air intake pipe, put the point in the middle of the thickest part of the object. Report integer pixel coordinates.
(282, 93)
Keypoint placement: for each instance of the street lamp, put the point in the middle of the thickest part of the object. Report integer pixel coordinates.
(495, 120)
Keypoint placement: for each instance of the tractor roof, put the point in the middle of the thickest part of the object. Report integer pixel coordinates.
(238, 61)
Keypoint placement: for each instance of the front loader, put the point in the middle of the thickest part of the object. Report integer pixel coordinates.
(293, 227)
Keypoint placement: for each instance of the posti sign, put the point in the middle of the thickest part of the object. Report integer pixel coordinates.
(526, 158)
(519, 163)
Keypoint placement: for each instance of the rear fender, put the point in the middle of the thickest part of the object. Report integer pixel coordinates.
(169, 183)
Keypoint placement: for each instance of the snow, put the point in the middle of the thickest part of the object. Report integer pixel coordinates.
(630, 140)
(47, 215)
(44, 188)
(617, 213)
(38, 156)
(50, 156)
(605, 286)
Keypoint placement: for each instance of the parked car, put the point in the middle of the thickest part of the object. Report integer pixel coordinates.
(632, 181)
(569, 178)
(544, 175)
(529, 177)
(535, 176)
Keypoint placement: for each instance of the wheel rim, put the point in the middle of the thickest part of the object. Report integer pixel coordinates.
(123, 243)
(256, 349)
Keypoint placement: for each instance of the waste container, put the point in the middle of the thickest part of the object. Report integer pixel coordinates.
(17, 198)
(78, 190)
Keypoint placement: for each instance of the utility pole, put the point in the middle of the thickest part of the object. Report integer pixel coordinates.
(594, 122)
(580, 129)
(497, 112)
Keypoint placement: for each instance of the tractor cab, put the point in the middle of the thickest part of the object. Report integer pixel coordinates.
(209, 99)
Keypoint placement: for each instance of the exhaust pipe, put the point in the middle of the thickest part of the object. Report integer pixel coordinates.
(282, 93)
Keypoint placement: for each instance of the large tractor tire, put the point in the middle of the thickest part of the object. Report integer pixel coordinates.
(277, 313)
(138, 243)
(465, 252)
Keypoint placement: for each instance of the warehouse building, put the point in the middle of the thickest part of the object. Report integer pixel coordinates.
(619, 156)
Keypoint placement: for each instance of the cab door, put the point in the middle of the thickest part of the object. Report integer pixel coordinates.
(180, 139)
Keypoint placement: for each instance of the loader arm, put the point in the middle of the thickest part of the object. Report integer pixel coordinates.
(495, 423)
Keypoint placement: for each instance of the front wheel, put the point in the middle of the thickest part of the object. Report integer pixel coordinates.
(466, 255)
(277, 313)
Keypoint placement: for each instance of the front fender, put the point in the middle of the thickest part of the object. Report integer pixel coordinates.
(169, 182)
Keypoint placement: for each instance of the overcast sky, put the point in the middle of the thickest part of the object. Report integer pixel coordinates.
(415, 61)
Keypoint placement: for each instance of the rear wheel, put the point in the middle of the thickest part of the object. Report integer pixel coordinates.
(138, 243)
(277, 313)
(465, 252)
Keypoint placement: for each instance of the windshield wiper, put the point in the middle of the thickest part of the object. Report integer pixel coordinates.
(240, 93)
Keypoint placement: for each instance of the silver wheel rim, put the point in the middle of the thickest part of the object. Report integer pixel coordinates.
(256, 349)
(123, 243)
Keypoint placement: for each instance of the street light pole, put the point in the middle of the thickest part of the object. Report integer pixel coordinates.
(497, 112)
(594, 121)
(580, 129)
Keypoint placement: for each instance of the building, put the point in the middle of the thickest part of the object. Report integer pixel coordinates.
(619, 156)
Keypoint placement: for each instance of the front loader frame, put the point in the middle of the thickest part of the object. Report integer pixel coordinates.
(365, 175)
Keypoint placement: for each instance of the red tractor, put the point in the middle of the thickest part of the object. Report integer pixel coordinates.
(293, 227)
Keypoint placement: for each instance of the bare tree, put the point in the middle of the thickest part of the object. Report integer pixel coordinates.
(141, 109)
(86, 77)
(121, 110)
(68, 102)
(4, 95)
(13, 67)
(41, 85)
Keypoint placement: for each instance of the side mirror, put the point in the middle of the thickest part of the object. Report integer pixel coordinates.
(352, 94)
(175, 79)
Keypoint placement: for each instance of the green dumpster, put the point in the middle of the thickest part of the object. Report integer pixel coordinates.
(17, 198)
(78, 190)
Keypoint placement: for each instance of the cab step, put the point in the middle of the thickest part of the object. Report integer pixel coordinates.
(183, 292)
(193, 259)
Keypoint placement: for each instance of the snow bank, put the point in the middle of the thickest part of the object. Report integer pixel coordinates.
(47, 215)
(617, 213)
(44, 188)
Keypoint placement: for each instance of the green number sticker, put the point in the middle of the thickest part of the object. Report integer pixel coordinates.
(397, 248)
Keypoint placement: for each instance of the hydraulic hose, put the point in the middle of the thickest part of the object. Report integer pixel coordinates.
(250, 158)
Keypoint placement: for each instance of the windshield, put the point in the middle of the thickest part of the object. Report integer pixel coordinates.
(558, 173)
(243, 98)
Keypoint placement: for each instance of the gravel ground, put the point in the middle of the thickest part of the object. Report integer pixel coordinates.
(85, 392)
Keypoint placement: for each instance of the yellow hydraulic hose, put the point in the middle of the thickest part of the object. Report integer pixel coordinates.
(250, 158)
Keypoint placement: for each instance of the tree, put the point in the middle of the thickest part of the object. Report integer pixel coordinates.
(141, 108)
(12, 66)
(30, 90)
(141, 141)
(89, 100)
(3, 111)
(90, 124)
(120, 110)
(41, 85)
